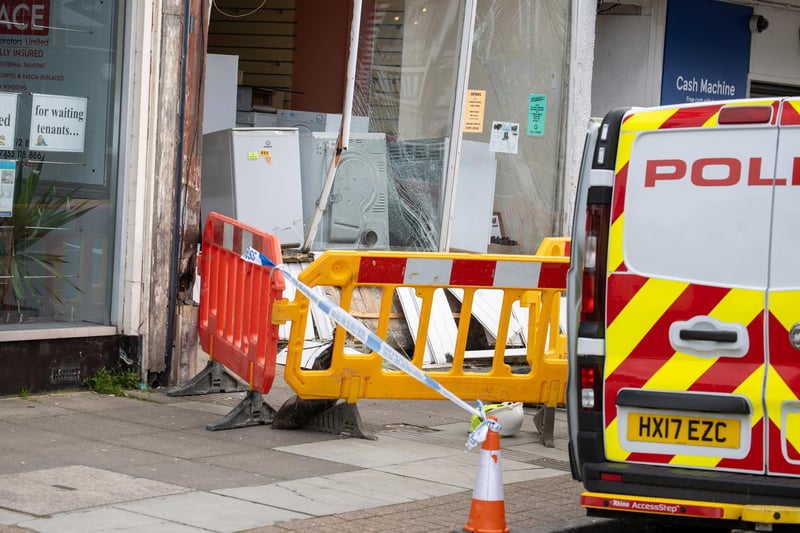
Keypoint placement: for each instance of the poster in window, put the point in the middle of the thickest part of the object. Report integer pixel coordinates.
(8, 120)
(58, 123)
(473, 114)
(537, 109)
(504, 137)
(8, 175)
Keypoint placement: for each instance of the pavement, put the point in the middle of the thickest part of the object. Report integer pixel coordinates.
(83, 462)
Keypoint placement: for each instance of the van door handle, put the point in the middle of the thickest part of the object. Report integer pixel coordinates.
(706, 335)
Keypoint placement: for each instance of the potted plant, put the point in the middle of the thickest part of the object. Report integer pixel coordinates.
(26, 265)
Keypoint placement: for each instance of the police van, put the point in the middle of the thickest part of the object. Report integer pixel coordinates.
(683, 305)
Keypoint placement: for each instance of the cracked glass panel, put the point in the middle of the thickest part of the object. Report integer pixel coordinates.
(390, 192)
(519, 58)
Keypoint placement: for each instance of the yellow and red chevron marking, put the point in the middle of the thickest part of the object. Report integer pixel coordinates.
(638, 355)
(783, 385)
(790, 113)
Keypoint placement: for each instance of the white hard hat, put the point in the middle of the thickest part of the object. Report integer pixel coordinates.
(509, 415)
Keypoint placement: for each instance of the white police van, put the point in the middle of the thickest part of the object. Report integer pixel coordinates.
(684, 315)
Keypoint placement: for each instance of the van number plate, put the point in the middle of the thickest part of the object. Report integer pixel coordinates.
(687, 430)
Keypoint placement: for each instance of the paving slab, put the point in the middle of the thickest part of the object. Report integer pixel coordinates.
(367, 453)
(12, 518)
(214, 512)
(557, 453)
(25, 448)
(14, 462)
(338, 493)
(83, 401)
(44, 492)
(29, 447)
(454, 471)
(88, 452)
(27, 409)
(423, 413)
(264, 436)
(19, 435)
(104, 519)
(275, 465)
(164, 416)
(194, 474)
(103, 427)
(204, 407)
(180, 444)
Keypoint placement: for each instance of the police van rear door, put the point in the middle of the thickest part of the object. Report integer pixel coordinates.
(687, 277)
(783, 325)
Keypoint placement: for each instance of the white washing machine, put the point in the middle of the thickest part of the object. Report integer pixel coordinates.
(357, 214)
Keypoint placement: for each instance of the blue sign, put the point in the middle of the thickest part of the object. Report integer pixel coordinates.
(537, 107)
(706, 51)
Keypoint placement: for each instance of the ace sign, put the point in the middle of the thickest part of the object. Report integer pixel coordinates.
(24, 17)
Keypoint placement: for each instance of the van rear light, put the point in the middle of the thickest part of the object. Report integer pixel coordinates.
(594, 262)
(750, 114)
(588, 295)
(590, 257)
(591, 387)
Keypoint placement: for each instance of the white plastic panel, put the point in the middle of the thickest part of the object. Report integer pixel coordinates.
(691, 210)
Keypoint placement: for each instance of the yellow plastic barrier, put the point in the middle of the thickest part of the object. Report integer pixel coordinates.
(535, 283)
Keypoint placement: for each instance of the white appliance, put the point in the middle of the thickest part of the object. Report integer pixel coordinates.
(256, 119)
(253, 175)
(357, 216)
(313, 121)
(219, 101)
(474, 199)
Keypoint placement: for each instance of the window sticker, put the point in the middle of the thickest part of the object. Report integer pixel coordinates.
(58, 123)
(8, 120)
(8, 175)
(505, 137)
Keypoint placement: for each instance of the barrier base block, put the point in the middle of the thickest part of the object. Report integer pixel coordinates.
(341, 419)
(545, 421)
(213, 378)
(251, 411)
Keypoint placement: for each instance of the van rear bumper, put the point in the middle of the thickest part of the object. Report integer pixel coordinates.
(710, 513)
(689, 484)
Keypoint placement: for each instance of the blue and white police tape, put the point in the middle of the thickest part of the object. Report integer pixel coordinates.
(377, 345)
(478, 435)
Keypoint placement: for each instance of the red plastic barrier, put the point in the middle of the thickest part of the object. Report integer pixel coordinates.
(236, 297)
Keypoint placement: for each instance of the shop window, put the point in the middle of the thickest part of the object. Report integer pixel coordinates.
(392, 189)
(59, 103)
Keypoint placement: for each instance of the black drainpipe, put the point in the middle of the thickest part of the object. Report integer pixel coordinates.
(188, 25)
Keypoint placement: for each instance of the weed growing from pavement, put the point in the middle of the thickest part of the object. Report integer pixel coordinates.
(24, 393)
(114, 382)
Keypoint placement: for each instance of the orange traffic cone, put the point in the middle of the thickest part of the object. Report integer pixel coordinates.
(488, 513)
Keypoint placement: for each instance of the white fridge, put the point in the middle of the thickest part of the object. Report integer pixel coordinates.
(253, 175)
